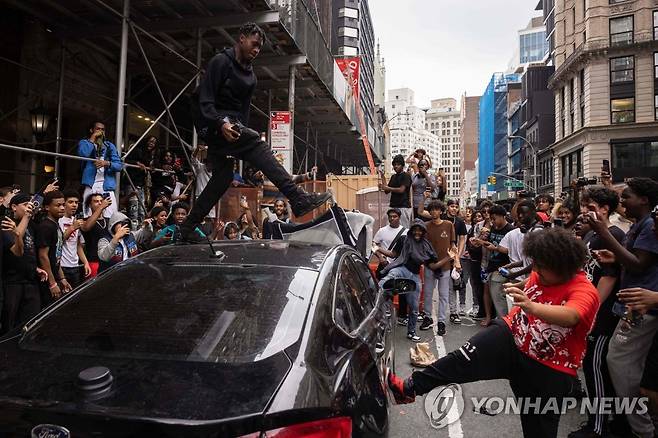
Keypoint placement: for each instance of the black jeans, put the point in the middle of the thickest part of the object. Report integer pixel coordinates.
(248, 147)
(73, 276)
(492, 354)
(597, 377)
(21, 302)
(474, 268)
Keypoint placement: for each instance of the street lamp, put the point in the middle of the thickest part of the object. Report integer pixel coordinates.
(40, 119)
(534, 158)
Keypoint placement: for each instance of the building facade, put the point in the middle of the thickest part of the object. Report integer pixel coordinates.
(531, 46)
(468, 144)
(406, 127)
(443, 120)
(606, 89)
(492, 142)
(353, 34)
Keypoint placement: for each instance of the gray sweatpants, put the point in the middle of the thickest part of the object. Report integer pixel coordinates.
(497, 293)
(627, 354)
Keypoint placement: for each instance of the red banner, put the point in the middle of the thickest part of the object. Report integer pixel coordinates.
(350, 68)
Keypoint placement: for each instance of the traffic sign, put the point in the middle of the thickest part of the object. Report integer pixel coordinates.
(510, 183)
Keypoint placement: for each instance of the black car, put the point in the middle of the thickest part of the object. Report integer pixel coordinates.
(261, 338)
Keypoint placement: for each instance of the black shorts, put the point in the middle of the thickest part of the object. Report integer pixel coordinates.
(650, 376)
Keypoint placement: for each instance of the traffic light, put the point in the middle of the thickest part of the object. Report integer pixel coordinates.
(493, 180)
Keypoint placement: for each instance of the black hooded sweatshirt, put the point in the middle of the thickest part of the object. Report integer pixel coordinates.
(226, 88)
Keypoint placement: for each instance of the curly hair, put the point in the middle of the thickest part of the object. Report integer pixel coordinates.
(602, 196)
(543, 246)
(436, 205)
(644, 187)
(398, 159)
(249, 29)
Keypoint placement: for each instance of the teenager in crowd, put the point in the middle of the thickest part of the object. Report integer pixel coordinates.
(49, 241)
(638, 256)
(99, 176)
(538, 346)
(471, 267)
(440, 190)
(73, 251)
(21, 275)
(451, 215)
(605, 277)
(170, 234)
(412, 252)
(279, 212)
(544, 203)
(441, 234)
(421, 181)
(399, 186)
(497, 258)
(232, 232)
(246, 221)
(94, 227)
(119, 243)
(568, 212)
(520, 264)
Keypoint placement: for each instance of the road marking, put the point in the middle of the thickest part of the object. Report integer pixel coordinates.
(455, 424)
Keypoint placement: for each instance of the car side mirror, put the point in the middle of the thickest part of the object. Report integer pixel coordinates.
(399, 286)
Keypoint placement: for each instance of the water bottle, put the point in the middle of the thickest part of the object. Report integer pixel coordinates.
(623, 333)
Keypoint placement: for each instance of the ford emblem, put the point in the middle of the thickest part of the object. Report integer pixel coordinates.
(50, 431)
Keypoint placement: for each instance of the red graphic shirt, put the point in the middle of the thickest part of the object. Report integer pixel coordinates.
(561, 348)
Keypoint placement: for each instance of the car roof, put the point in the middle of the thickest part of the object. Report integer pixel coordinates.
(280, 253)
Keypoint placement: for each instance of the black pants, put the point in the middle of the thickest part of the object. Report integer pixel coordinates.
(597, 377)
(21, 302)
(492, 354)
(248, 147)
(476, 284)
(73, 276)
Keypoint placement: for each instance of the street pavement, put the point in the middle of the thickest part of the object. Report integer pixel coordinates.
(411, 420)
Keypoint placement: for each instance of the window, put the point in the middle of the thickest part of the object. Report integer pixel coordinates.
(621, 31)
(347, 51)
(655, 106)
(632, 158)
(348, 12)
(622, 69)
(581, 90)
(655, 25)
(348, 32)
(622, 110)
(572, 167)
(655, 65)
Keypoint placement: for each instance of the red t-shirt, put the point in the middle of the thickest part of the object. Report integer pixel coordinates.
(560, 348)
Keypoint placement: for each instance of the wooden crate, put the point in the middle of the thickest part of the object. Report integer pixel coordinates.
(344, 188)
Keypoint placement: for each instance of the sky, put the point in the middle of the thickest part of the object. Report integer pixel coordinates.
(443, 48)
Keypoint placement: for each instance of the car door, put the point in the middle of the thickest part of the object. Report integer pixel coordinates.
(383, 317)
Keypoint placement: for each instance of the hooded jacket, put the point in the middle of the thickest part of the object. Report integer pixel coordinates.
(420, 252)
(226, 88)
(110, 253)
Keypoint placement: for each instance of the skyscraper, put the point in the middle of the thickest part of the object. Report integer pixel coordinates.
(443, 119)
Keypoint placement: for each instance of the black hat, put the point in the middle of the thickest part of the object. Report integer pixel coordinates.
(19, 198)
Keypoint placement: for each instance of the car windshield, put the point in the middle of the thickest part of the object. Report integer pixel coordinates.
(226, 314)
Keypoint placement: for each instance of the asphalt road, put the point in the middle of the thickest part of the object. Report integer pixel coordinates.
(411, 420)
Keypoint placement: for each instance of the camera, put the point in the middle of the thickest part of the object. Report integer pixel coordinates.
(584, 181)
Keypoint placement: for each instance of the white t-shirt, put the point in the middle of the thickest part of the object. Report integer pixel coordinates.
(70, 257)
(513, 241)
(386, 235)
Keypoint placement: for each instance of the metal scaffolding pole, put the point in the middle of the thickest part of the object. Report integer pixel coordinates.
(291, 108)
(60, 107)
(199, 49)
(121, 96)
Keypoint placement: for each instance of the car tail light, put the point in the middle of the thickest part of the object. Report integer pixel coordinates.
(339, 427)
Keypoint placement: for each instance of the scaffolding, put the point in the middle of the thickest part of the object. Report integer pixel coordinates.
(167, 43)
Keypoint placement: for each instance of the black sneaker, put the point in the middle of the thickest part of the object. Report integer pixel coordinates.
(413, 337)
(440, 328)
(403, 321)
(421, 316)
(189, 235)
(455, 319)
(427, 324)
(308, 202)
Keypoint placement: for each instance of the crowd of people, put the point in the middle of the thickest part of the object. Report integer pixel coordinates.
(558, 284)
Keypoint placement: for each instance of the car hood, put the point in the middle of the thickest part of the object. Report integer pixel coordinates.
(155, 390)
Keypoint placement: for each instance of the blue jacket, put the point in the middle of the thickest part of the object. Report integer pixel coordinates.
(109, 153)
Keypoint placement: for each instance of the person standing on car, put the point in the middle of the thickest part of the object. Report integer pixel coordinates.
(221, 119)
(399, 186)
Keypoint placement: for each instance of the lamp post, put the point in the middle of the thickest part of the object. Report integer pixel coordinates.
(534, 159)
(39, 118)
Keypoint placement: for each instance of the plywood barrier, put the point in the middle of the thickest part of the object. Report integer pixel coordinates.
(344, 188)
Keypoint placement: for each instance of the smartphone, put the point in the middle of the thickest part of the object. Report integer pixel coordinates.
(632, 317)
(606, 166)
(106, 195)
(504, 272)
(558, 222)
